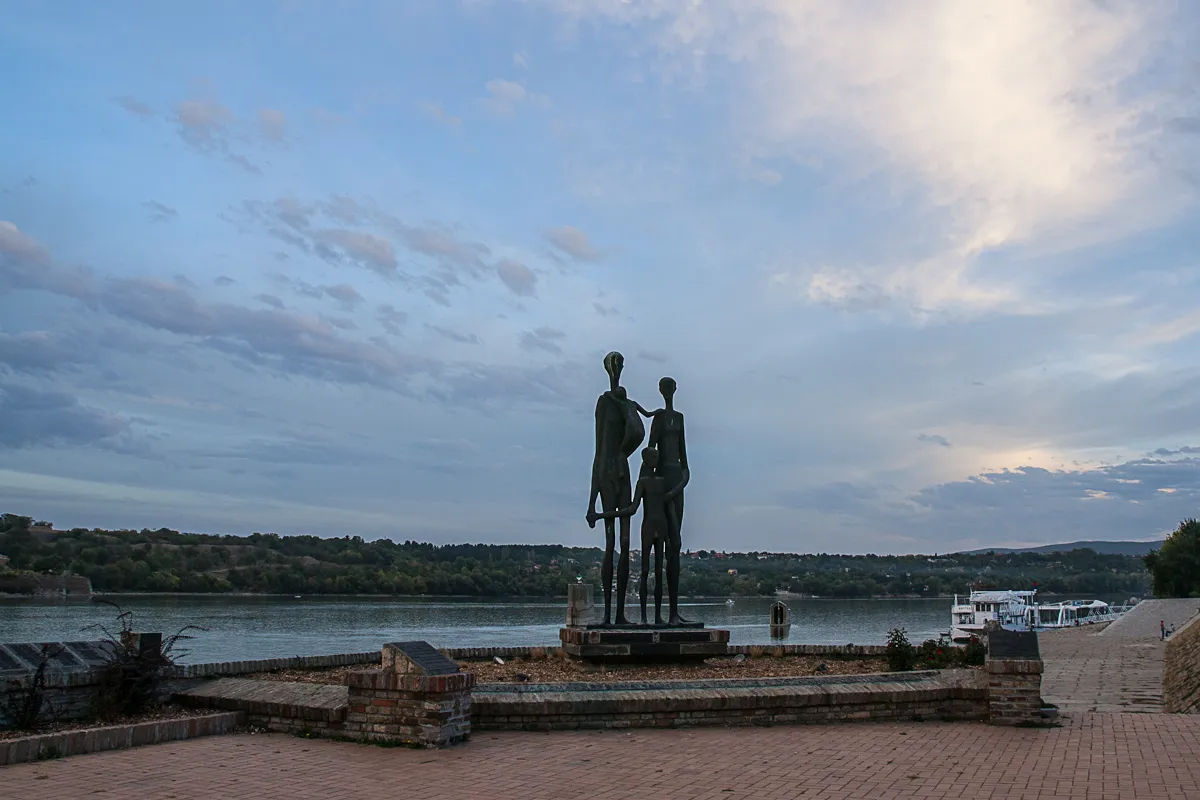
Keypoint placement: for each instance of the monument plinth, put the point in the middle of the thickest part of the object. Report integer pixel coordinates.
(631, 644)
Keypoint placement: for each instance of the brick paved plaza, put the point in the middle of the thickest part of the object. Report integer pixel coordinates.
(1118, 668)
(1093, 757)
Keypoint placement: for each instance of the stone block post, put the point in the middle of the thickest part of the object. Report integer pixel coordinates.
(1014, 676)
(579, 603)
(1014, 691)
(418, 698)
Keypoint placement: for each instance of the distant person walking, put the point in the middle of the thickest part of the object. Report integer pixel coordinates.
(1162, 630)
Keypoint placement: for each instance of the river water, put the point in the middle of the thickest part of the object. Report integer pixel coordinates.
(241, 628)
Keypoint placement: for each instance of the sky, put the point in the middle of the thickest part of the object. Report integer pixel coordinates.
(927, 272)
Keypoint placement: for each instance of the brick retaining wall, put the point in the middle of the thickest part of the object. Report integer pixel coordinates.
(114, 737)
(949, 695)
(1181, 670)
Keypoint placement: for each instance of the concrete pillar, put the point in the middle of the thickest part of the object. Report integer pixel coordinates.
(579, 604)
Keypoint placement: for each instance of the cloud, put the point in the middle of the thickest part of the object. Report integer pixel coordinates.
(224, 280)
(605, 311)
(26, 264)
(520, 59)
(40, 351)
(543, 338)
(159, 212)
(519, 278)
(573, 242)
(454, 336)
(272, 123)
(1027, 125)
(270, 300)
(440, 115)
(272, 339)
(505, 97)
(134, 106)
(933, 438)
(368, 236)
(33, 418)
(371, 251)
(204, 124)
(1138, 500)
(649, 356)
(391, 318)
(344, 293)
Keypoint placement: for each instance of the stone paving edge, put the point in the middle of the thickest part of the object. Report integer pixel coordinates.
(45, 746)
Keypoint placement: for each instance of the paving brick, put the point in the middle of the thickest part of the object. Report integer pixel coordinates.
(1119, 667)
(1093, 757)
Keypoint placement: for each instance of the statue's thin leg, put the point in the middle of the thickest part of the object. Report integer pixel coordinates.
(623, 573)
(674, 546)
(645, 578)
(606, 567)
(658, 581)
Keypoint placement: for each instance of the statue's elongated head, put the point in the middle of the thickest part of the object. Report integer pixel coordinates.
(667, 387)
(614, 362)
(649, 458)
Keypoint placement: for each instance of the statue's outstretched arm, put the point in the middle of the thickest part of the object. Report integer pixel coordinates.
(646, 413)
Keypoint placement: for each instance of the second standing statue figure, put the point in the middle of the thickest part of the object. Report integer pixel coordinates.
(666, 436)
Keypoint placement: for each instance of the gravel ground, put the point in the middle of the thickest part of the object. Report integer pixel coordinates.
(166, 712)
(550, 670)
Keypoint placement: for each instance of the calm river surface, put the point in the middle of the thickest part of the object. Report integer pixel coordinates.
(240, 628)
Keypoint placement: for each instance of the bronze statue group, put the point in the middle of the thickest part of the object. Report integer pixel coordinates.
(659, 491)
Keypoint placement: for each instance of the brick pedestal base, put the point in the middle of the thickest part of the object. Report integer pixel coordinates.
(402, 704)
(1014, 691)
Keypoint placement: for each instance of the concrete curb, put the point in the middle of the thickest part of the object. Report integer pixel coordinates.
(116, 737)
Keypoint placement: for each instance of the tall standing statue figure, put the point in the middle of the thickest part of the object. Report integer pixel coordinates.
(666, 436)
(619, 432)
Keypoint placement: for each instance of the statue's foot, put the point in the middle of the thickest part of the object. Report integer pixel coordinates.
(659, 620)
(678, 620)
(622, 621)
(606, 623)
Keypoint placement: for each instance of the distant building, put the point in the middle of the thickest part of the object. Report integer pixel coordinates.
(3, 562)
(733, 572)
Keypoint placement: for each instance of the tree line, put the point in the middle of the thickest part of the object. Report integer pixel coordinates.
(165, 560)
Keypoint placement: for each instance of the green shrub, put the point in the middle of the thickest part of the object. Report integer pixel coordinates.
(974, 654)
(901, 655)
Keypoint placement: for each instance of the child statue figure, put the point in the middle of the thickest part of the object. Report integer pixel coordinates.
(658, 524)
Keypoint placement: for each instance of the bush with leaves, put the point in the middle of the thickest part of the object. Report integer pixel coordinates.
(130, 679)
(1175, 566)
(974, 654)
(936, 655)
(901, 655)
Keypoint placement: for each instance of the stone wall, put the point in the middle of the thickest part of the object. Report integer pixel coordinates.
(1181, 670)
(1014, 691)
(949, 695)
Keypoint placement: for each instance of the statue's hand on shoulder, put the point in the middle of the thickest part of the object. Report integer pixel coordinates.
(646, 413)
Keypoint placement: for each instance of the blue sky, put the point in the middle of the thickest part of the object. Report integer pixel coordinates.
(926, 272)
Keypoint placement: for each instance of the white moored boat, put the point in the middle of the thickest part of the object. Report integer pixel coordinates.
(1020, 611)
(1009, 608)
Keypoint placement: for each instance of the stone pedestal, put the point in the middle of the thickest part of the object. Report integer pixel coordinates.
(579, 603)
(643, 643)
(1014, 673)
(419, 698)
(1015, 692)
